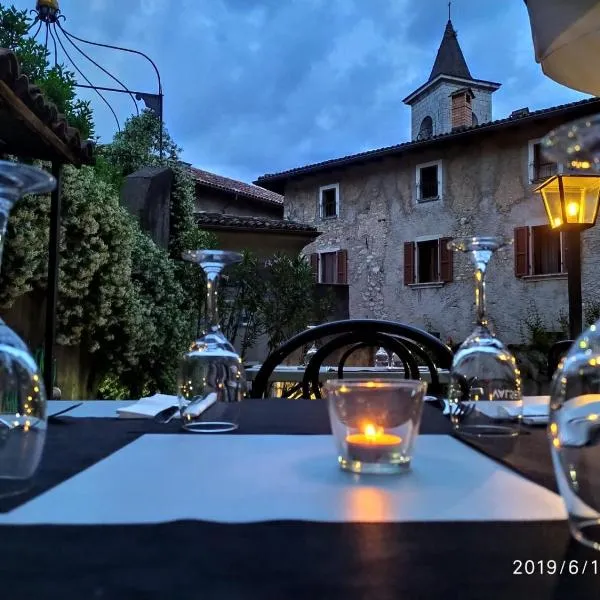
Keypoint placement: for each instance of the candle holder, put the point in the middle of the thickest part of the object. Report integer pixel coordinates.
(375, 423)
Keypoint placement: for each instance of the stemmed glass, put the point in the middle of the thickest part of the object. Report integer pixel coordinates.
(22, 394)
(382, 358)
(484, 393)
(211, 380)
(574, 428)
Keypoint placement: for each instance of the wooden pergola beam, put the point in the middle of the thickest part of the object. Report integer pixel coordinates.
(14, 105)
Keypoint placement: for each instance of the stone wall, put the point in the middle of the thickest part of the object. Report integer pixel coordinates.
(486, 192)
(437, 104)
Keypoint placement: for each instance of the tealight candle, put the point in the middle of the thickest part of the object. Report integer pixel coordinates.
(373, 445)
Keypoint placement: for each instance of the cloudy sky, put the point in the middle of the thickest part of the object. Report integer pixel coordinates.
(259, 86)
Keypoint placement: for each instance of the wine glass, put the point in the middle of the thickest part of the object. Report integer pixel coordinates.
(382, 358)
(576, 145)
(484, 393)
(574, 428)
(211, 380)
(574, 433)
(22, 395)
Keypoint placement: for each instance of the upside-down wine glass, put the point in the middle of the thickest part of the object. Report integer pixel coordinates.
(22, 394)
(574, 428)
(211, 380)
(484, 393)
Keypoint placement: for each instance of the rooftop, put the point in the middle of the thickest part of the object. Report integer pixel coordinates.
(209, 220)
(276, 181)
(450, 59)
(225, 184)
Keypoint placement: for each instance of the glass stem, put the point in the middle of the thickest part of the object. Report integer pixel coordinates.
(211, 322)
(481, 259)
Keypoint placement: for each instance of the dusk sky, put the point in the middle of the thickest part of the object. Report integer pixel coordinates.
(260, 86)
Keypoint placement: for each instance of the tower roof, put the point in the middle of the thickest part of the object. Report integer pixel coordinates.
(450, 59)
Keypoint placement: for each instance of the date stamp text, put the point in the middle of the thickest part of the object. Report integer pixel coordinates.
(556, 567)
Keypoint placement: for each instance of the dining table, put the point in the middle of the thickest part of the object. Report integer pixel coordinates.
(139, 508)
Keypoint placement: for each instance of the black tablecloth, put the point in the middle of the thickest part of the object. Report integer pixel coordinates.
(285, 559)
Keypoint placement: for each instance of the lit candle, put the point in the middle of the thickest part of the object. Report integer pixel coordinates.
(373, 445)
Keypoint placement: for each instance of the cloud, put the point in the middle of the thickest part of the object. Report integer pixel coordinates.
(257, 86)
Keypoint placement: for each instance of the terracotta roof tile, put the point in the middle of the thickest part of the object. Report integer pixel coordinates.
(247, 190)
(45, 111)
(227, 221)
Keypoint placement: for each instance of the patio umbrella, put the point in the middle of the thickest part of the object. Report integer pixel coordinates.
(566, 37)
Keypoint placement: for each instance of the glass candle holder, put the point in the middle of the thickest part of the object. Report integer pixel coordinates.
(375, 423)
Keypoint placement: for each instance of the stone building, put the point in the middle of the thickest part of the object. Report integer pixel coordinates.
(387, 214)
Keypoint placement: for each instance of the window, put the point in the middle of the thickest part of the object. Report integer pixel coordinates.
(474, 120)
(330, 267)
(429, 181)
(540, 167)
(426, 129)
(538, 251)
(329, 201)
(428, 261)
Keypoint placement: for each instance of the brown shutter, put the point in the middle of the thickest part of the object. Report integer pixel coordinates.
(342, 266)
(446, 261)
(409, 262)
(521, 251)
(314, 265)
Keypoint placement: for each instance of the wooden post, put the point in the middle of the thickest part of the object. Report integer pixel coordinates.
(52, 289)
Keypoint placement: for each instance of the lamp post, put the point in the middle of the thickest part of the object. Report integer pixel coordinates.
(571, 202)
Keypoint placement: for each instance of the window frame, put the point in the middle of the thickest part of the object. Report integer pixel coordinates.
(336, 251)
(324, 188)
(561, 247)
(531, 144)
(423, 240)
(445, 268)
(440, 181)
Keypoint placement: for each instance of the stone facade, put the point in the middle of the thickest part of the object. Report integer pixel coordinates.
(436, 103)
(486, 191)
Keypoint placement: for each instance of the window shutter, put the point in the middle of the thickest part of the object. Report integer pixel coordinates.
(342, 266)
(521, 251)
(446, 261)
(314, 265)
(409, 262)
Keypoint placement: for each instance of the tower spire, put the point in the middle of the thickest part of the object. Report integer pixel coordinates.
(450, 59)
(449, 7)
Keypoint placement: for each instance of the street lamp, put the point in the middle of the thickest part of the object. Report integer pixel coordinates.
(571, 202)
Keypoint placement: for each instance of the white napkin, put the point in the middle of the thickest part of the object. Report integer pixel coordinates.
(149, 407)
(536, 409)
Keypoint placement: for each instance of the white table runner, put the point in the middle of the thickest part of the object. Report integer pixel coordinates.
(238, 479)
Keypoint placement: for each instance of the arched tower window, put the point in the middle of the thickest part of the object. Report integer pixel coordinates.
(474, 120)
(426, 129)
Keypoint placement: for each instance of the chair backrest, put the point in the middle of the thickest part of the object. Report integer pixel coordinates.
(408, 342)
(555, 354)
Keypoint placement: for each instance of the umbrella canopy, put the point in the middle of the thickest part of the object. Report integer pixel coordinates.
(566, 37)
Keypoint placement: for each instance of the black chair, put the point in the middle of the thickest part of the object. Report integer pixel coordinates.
(411, 344)
(556, 353)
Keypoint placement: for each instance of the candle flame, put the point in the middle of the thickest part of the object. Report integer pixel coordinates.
(372, 432)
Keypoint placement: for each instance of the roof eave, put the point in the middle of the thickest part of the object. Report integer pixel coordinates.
(260, 230)
(233, 192)
(476, 83)
(277, 181)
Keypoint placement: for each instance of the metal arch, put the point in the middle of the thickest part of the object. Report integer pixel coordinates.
(442, 353)
(110, 46)
(119, 82)
(310, 381)
(55, 50)
(90, 83)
